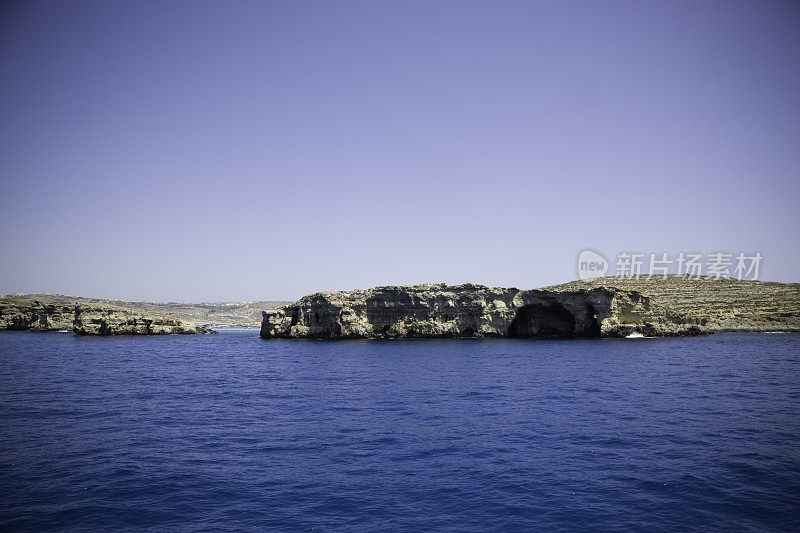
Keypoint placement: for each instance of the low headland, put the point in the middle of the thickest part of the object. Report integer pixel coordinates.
(96, 316)
(83, 319)
(602, 307)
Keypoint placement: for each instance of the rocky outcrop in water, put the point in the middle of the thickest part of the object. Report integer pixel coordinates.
(211, 313)
(89, 320)
(471, 311)
(607, 307)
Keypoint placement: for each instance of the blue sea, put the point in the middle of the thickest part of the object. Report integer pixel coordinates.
(230, 432)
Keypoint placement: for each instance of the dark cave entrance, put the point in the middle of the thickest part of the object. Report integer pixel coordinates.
(540, 320)
(594, 325)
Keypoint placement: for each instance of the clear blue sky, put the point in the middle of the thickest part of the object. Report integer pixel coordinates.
(264, 150)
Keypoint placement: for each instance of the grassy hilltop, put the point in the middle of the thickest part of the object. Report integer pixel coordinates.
(722, 304)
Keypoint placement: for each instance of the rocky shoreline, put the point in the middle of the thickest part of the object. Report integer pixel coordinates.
(209, 314)
(89, 319)
(715, 305)
(606, 307)
(603, 307)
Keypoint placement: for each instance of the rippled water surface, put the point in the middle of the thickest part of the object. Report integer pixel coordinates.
(233, 432)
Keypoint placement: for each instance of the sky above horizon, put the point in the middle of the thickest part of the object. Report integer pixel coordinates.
(213, 151)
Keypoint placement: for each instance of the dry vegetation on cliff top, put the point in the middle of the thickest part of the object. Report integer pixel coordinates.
(724, 303)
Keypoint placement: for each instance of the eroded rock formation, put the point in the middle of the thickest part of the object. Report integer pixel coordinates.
(89, 320)
(473, 311)
(205, 313)
(714, 304)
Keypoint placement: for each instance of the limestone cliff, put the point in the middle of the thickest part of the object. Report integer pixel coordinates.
(716, 305)
(216, 313)
(89, 320)
(473, 311)
(606, 307)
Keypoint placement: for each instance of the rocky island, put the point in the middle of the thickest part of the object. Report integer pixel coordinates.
(220, 314)
(89, 319)
(604, 307)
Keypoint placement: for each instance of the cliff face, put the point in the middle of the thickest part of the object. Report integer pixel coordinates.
(89, 320)
(472, 311)
(223, 313)
(716, 305)
(35, 316)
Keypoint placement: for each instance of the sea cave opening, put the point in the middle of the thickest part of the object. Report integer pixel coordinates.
(543, 320)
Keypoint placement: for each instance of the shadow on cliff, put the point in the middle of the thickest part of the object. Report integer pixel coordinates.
(551, 319)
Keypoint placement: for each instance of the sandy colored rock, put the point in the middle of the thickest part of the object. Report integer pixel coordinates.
(89, 320)
(607, 307)
(714, 304)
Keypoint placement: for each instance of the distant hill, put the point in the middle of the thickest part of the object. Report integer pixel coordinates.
(207, 313)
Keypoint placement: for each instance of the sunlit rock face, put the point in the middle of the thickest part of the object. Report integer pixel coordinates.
(35, 316)
(708, 303)
(121, 321)
(436, 311)
(89, 320)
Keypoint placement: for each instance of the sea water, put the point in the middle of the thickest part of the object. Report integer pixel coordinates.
(232, 432)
